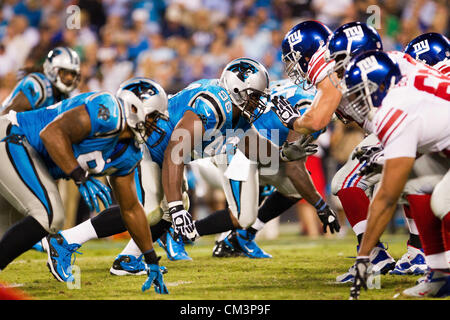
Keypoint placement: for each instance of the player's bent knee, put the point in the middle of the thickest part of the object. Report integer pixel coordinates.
(440, 203)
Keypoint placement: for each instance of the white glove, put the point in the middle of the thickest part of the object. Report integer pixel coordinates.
(182, 221)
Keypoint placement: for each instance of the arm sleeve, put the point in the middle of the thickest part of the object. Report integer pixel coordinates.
(105, 113)
(33, 88)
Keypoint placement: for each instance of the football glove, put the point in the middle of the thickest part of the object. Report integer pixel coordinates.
(297, 150)
(155, 277)
(90, 189)
(285, 111)
(327, 216)
(182, 222)
(362, 274)
(372, 156)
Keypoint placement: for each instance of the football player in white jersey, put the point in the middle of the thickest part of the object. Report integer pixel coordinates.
(409, 115)
(308, 62)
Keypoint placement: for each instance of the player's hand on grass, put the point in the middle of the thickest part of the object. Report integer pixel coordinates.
(362, 274)
(297, 150)
(155, 278)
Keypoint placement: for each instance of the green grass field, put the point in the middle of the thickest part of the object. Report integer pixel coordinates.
(301, 269)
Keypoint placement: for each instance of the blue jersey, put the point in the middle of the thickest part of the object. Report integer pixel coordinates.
(100, 153)
(269, 120)
(157, 152)
(212, 104)
(38, 90)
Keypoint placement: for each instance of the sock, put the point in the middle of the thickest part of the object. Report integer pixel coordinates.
(356, 205)
(80, 233)
(414, 239)
(252, 230)
(275, 205)
(108, 223)
(20, 238)
(257, 225)
(428, 224)
(159, 229)
(446, 232)
(131, 249)
(217, 222)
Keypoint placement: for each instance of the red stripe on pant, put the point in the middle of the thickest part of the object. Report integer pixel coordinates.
(355, 204)
(427, 223)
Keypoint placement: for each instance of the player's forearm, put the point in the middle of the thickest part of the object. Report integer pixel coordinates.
(381, 211)
(312, 121)
(172, 176)
(19, 104)
(59, 147)
(302, 181)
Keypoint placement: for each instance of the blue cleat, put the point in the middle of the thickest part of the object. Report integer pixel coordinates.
(38, 247)
(228, 247)
(59, 254)
(412, 262)
(247, 244)
(174, 248)
(125, 265)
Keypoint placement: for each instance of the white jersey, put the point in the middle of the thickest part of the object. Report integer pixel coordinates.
(408, 64)
(443, 67)
(318, 68)
(414, 116)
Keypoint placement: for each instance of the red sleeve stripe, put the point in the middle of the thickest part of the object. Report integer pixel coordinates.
(398, 124)
(313, 81)
(382, 121)
(388, 125)
(315, 64)
(445, 70)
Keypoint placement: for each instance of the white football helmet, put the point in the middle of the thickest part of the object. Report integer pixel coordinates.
(62, 58)
(247, 82)
(142, 98)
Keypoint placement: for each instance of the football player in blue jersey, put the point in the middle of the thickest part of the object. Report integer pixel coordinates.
(60, 75)
(92, 134)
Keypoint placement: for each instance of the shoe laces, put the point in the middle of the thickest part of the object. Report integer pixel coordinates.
(71, 249)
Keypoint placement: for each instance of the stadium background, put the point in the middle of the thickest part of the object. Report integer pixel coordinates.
(176, 42)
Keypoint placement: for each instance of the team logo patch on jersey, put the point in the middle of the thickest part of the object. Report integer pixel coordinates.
(368, 64)
(103, 113)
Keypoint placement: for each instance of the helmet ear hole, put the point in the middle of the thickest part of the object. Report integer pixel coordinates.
(134, 108)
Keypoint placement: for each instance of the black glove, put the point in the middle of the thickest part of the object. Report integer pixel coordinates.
(285, 111)
(299, 149)
(362, 274)
(327, 217)
(372, 156)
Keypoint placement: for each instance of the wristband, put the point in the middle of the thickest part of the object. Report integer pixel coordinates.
(175, 206)
(150, 257)
(320, 205)
(79, 175)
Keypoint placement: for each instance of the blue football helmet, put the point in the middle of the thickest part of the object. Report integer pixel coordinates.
(299, 45)
(429, 48)
(368, 78)
(144, 102)
(347, 42)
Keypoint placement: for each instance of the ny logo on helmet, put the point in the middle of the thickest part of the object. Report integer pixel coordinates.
(368, 65)
(355, 32)
(421, 47)
(295, 37)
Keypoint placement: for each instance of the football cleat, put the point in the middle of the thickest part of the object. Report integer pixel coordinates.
(125, 265)
(348, 276)
(247, 244)
(381, 261)
(225, 248)
(59, 254)
(174, 248)
(436, 284)
(38, 247)
(412, 262)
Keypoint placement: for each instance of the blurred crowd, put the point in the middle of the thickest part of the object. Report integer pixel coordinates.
(176, 42)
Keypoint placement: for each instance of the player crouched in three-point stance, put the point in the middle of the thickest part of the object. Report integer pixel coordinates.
(92, 134)
(410, 117)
